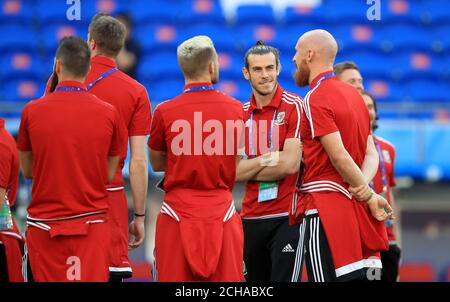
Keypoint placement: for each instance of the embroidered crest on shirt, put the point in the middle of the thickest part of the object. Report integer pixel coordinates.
(280, 118)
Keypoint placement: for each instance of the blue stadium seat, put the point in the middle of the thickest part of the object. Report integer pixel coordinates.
(436, 12)
(158, 67)
(384, 90)
(427, 91)
(239, 89)
(401, 12)
(231, 64)
(224, 38)
(299, 15)
(18, 12)
(359, 36)
(111, 7)
(442, 38)
(254, 14)
(163, 90)
(23, 90)
(52, 34)
(155, 12)
(410, 38)
(153, 38)
(19, 65)
(371, 64)
(51, 12)
(421, 65)
(205, 12)
(18, 38)
(248, 35)
(345, 12)
(286, 37)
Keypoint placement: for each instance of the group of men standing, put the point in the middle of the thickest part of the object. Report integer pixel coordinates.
(308, 165)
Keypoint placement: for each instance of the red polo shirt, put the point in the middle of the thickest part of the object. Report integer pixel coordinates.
(196, 171)
(332, 106)
(9, 164)
(127, 95)
(388, 153)
(70, 134)
(287, 109)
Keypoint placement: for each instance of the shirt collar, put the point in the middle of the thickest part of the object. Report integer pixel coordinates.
(72, 84)
(196, 85)
(274, 103)
(104, 61)
(2, 123)
(317, 78)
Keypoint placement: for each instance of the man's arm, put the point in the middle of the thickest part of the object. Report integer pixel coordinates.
(2, 196)
(350, 172)
(247, 168)
(139, 185)
(369, 167)
(138, 173)
(113, 163)
(288, 162)
(158, 160)
(26, 163)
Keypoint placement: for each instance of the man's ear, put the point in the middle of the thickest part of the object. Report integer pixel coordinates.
(246, 73)
(310, 56)
(58, 66)
(279, 69)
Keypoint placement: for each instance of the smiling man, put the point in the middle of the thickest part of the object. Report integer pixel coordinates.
(273, 117)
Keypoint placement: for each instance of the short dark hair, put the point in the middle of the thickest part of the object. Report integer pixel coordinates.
(341, 67)
(375, 124)
(108, 32)
(75, 56)
(261, 49)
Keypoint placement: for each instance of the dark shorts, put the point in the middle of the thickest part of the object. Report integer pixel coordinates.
(269, 249)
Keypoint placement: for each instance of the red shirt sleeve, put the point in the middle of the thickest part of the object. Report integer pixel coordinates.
(392, 181)
(5, 166)
(320, 115)
(293, 129)
(119, 138)
(142, 117)
(23, 140)
(157, 140)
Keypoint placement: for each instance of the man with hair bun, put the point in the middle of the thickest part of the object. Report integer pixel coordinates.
(199, 235)
(269, 241)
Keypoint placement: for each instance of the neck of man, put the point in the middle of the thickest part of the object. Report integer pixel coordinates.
(206, 78)
(263, 100)
(96, 53)
(318, 69)
(63, 78)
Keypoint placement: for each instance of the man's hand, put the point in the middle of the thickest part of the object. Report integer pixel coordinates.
(270, 159)
(380, 208)
(136, 233)
(361, 193)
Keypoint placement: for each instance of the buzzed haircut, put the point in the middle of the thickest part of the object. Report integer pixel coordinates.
(109, 34)
(75, 56)
(341, 67)
(261, 49)
(194, 55)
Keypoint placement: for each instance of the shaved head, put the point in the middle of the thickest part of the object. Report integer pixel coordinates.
(322, 43)
(315, 50)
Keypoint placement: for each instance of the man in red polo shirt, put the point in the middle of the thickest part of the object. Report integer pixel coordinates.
(11, 241)
(340, 237)
(384, 180)
(269, 240)
(106, 39)
(194, 139)
(69, 145)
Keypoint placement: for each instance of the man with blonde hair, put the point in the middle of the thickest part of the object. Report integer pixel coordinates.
(199, 235)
